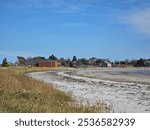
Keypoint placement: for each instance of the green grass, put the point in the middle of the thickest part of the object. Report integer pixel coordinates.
(19, 93)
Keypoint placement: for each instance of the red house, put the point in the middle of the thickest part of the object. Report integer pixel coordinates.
(47, 64)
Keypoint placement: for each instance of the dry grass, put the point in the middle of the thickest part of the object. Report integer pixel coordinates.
(23, 70)
(19, 93)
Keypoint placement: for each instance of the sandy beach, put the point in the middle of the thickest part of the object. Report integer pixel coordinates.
(118, 88)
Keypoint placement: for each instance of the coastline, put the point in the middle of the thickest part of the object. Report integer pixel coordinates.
(89, 86)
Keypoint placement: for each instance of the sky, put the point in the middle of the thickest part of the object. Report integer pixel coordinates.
(112, 29)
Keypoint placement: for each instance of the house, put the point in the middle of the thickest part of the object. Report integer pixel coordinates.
(108, 64)
(40, 62)
(147, 63)
(50, 63)
(105, 63)
(74, 64)
(93, 61)
(32, 62)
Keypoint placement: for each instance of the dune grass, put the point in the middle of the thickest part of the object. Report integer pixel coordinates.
(21, 94)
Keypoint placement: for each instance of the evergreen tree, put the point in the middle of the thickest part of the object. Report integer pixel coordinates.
(4, 63)
(74, 58)
(52, 57)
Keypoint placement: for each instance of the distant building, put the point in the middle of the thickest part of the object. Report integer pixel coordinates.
(74, 64)
(104, 63)
(47, 64)
(147, 63)
(93, 61)
(108, 64)
(40, 62)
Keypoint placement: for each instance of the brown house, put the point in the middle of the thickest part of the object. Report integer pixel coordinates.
(47, 64)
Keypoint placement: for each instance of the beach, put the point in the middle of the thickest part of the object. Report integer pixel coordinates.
(121, 89)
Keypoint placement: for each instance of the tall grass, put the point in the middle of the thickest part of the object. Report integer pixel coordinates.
(19, 93)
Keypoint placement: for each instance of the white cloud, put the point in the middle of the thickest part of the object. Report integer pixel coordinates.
(139, 20)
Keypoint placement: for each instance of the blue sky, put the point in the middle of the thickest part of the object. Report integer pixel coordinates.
(114, 29)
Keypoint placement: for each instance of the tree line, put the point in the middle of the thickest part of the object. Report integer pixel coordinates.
(82, 62)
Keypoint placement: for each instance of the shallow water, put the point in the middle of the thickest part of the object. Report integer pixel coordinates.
(131, 72)
(140, 72)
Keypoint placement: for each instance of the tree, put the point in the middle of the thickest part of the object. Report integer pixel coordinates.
(139, 63)
(52, 57)
(74, 58)
(21, 60)
(83, 61)
(65, 62)
(4, 63)
(39, 57)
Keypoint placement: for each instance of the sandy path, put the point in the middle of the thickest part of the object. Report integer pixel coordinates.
(121, 96)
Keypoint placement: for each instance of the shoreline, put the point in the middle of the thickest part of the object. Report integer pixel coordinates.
(120, 96)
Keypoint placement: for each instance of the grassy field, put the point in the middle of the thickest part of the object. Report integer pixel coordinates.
(19, 93)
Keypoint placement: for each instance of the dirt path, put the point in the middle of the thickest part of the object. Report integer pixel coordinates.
(121, 96)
